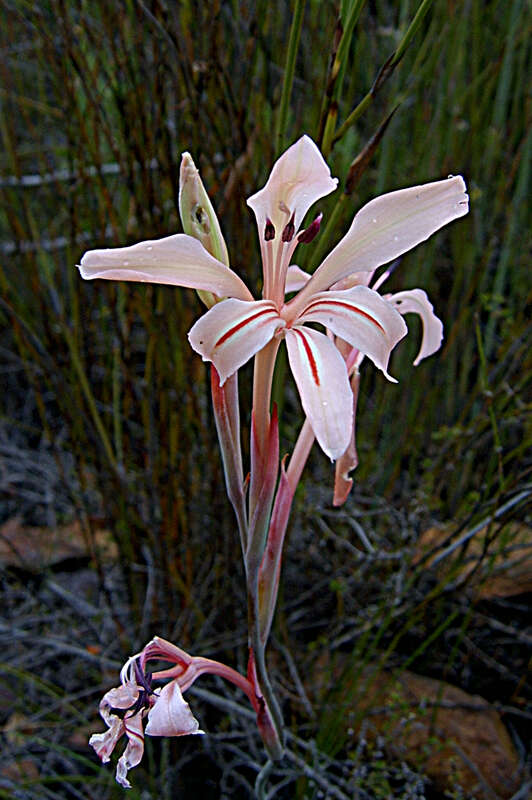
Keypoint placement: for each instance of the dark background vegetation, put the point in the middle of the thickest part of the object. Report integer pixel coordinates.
(115, 524)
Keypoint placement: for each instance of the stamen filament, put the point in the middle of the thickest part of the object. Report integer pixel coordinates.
(267, 257)
(127, 673)
(286, 263)
(277, 290)
(284, 255)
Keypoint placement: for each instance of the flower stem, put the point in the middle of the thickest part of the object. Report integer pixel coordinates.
(227, 418)
(262, 389)
(269, 720)
(261, 781)
(270, 567)
(265, 450)
(302, 449)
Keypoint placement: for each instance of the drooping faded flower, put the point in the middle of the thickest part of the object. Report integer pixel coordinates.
(238, 327)
(124, 710)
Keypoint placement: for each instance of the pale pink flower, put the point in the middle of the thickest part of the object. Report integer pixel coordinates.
(237, 328)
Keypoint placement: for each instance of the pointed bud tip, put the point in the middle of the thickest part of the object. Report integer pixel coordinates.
(187, 171)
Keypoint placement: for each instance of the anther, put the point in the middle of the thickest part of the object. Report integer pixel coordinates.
(309, 233)
(269, 230)
(289, 230)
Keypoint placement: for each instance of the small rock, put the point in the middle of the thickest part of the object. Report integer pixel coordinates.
(34, 549)
(454, 737)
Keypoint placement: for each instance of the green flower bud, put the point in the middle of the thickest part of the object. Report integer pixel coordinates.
(198, 217)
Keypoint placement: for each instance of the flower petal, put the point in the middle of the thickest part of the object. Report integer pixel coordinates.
(321, 377)
(170, 715)
(353, 279)
(390, 225)
(361, 317)
(105, 743)
(231, 332)
(415, 301)
(178, 260)
(296, 278)
(134, 751)
(122, 697)
(348, 461)
(298, 178)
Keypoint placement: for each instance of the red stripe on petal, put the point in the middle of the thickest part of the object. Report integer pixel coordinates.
(242, 324)
(317, 303)
(310, 356)
(131, 732)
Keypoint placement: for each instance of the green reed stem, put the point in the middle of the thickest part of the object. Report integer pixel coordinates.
(293, 45)
(337, 74)
(353, 116)
(488, 394)
(411, 31)
(89, 398)
(385, 71)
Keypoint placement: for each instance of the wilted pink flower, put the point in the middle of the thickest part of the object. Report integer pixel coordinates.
(124, 710)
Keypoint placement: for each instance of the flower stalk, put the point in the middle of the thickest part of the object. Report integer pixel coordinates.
(227, 420)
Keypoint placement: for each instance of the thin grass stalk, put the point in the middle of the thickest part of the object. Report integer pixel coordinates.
(483, 373)
(89, 399)
(411, 30)
(339, 65)
(291, 54)
(385, 72)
